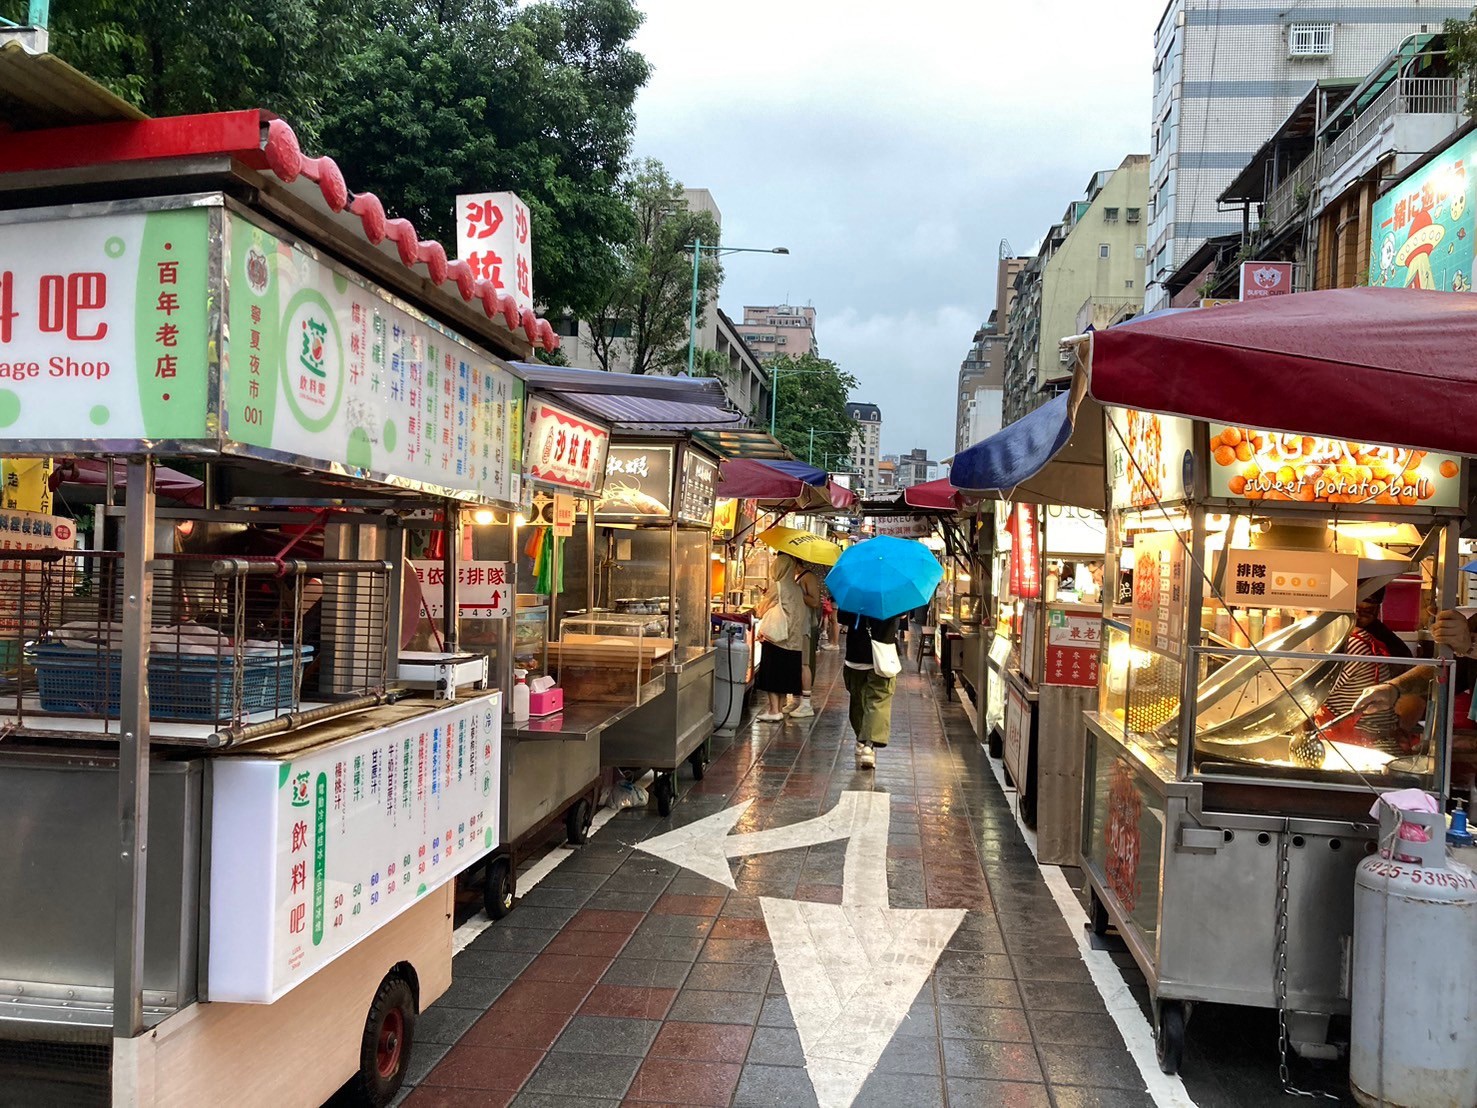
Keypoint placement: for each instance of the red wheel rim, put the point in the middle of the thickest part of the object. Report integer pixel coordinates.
(391, 1041)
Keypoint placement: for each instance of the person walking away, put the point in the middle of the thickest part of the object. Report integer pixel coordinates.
(810, 588)
(871, 692)
(780, 661)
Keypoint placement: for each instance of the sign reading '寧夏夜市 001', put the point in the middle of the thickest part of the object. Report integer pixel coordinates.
(108, 334)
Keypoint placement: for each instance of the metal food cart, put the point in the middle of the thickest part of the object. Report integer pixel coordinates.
(211, 738)
(653, 531)
(1219, 835)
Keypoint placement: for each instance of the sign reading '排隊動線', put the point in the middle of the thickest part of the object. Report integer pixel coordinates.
(324, 367)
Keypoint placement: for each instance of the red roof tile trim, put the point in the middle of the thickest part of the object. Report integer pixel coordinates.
(285, 158)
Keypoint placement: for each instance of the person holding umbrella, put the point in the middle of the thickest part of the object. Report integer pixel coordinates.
(875, 582)
(783, 619)
(804, 550)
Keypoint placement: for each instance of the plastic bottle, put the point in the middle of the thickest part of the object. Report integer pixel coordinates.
(520, 696)
(1459, 834)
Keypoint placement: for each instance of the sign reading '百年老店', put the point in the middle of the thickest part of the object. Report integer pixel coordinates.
(103, 327)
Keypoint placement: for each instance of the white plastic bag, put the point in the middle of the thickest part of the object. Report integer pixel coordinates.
(624, 794)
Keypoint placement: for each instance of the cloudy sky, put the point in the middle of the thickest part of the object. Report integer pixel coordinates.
(891, 146)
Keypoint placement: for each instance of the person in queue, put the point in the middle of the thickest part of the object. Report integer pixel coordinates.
(780, 662)
(810, 588)
(871, 693)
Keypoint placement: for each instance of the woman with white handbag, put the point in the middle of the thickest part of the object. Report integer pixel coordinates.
(872, 666)
(783, 620)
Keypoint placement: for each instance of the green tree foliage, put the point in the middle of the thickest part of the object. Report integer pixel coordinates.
(643, 319)
(1461, 51)
(416, 99)
(810, 396)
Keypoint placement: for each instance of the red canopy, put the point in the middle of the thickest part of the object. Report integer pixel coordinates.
(934, 496)
(93, 473)
(1371, 365)
(840, 495)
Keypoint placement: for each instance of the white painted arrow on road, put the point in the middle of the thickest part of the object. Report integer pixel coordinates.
(851, 971)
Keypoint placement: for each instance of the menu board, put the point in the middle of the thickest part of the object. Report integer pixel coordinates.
(638, 483)
(564, 450)
(312, 855)
(1148, 456)
(695, 503)
(1072, 640)
(1251, 464)
(323, 367)
(1158, 591)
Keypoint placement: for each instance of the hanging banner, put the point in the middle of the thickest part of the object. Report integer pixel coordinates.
(564, 450)
(483, 589)
(1149, 457)
(725, 517)
(27, 483)
(563, 515)
(1252, 464)
(905, 527)
(1025, 552)
(326, 368)
(327, 848)
(495, 237)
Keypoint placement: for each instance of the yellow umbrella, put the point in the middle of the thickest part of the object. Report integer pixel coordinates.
(802, 545)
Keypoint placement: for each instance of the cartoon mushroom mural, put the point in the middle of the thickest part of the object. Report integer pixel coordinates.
(1415, 253)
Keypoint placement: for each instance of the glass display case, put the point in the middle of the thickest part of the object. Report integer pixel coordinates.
(531, 638)
(1274, 682)
(611, 658)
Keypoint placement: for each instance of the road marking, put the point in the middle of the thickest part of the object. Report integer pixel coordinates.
(462, 937)
(851, 970)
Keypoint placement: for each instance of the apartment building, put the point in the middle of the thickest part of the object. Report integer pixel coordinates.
(866, 446)
(776, 329)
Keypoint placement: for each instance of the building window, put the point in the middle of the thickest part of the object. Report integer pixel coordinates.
(1110, 215)
(568, 327)
(1309, 40)
(1138, 251)
(1128, 284)
(1133, 215)
(1103, 250)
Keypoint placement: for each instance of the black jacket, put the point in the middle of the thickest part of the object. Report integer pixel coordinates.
(862, 631)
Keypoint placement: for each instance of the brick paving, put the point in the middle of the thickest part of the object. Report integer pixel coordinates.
(621, 979)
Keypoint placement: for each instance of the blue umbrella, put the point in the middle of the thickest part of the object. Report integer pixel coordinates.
(884, 577)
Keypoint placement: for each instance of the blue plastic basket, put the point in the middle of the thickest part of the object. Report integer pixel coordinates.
(84, 681)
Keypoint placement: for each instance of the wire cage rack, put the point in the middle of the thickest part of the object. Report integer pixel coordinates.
(230, 640)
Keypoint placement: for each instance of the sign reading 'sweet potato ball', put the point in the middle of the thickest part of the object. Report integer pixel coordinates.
(1271, 466)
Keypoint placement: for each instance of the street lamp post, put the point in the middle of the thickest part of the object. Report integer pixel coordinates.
(774, 389)
(810, 451)
(697, 248)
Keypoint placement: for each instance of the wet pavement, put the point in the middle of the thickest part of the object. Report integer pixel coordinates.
(624, 978)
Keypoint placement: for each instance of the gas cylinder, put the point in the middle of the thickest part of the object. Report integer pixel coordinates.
(1413, 1041)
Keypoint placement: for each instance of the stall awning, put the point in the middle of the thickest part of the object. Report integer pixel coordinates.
(1371, 365)
(1054, 455)
(746, 479)
(933, 496)
(743, 442)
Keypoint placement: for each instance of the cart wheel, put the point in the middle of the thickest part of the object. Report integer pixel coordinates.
(497, 893)
(664, 788)
(1099, 913)
(389, 1034)
(1169, 1043)
(577, 822)
(698, 760)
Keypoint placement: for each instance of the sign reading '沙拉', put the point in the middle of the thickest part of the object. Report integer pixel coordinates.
(494, 237)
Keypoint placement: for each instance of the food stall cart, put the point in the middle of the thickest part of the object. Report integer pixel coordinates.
(1227, 801)
(1048, 625)
(650, 558)
(213, 740)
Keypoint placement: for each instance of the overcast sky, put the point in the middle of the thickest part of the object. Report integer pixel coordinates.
(891, 146)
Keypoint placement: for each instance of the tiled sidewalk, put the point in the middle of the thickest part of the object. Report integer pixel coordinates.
(622, 979)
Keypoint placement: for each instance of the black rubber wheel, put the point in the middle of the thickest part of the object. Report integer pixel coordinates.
(384, 1054)
(698, 760)
(1169, 1043)
(498, 892)
(577, 822)
(664, 788)
(1098, 911)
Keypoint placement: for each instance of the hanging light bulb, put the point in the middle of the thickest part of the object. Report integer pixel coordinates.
(482, 517)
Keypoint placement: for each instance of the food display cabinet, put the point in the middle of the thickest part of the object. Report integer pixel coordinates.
(1226, 800)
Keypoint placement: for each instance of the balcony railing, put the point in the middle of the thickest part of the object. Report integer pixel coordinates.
(1292, 191)
(1406, 96)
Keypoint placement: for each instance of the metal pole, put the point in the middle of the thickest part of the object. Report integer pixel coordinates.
(133, 753)
(451, 558)
(38, 13)
(774, 392)
(810, 450)
(697, 255)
